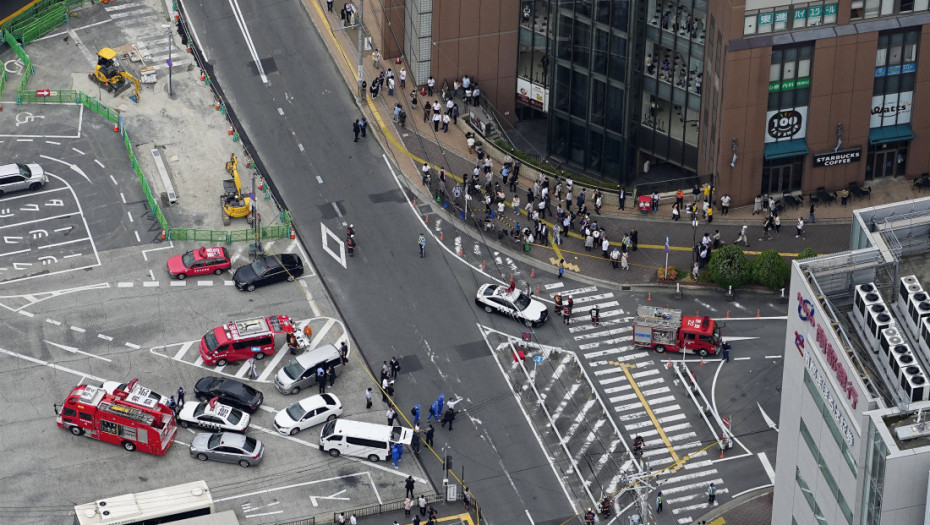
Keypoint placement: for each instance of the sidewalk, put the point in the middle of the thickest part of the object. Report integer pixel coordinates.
(418, 143)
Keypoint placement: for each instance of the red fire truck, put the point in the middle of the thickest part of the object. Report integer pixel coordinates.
(665, 329)
(241, 340)
(145, 425)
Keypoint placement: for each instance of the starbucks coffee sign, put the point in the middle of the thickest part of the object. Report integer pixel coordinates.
(847, 156)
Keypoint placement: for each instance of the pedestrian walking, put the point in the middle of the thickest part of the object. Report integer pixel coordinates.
(342, 518)
(448, 417)
(595, 316)
(356, 129)
(437, 120)
(421, 502)
(615, 258)
(415, 412)
(408, 503)
(181, 393)
(466, 498)
(743, 237)
(329, 5)
(440, 403)
(173, 405)
(726, 351)
(409, 484)
(391, 416)
(844, 197)
(811, 217)
(725, 203)
(353, 520)
(625, 261)
(799, 228)
(368, 398)
(429, 434)
(567, 311)
(403, 78)
(711, 494)
(659, 502)
(757, 205)
(397, 451)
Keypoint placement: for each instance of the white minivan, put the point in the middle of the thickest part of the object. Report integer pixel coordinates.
(362, 440)
(300, 373)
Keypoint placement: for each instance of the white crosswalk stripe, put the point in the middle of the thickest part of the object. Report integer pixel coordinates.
(604, 348)
(142, 27)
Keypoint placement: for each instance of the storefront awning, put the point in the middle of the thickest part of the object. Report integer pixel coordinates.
(785, 149)
(899, 133)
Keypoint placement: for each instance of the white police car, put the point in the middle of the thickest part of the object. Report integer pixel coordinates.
(213, 415)
(512, 302)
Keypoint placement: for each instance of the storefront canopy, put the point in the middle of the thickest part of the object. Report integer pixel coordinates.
(785, 149)
(899, 133)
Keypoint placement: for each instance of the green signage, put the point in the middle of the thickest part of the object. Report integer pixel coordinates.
(781, 17)
(815, 11)
(800, 14)
(831, 9)
(788, 85)
(765, 19)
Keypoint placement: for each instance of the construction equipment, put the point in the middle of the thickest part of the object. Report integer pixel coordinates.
(233, 202)
(110, 74)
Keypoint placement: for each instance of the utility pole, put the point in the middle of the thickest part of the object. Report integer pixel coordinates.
(361, 51)
(168, 27)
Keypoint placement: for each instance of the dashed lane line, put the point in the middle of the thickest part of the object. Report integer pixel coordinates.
(78, 329)
(130, 345)
(105, 337)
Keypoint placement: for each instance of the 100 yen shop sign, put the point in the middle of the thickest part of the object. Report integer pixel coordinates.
(785, 124)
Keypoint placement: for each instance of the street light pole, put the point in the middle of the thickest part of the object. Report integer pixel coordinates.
(694, 226)
(361, 49)
(168, 27)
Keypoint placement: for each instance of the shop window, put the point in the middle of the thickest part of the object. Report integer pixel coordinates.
(857, 10)
(781, 19)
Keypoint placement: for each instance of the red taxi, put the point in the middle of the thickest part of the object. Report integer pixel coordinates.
(199, 262)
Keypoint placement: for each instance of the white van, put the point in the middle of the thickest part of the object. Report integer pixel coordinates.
(362, 440)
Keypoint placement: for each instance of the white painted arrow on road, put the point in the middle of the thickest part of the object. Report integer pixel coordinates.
(314, 498)
(76, 351)
(768, 420)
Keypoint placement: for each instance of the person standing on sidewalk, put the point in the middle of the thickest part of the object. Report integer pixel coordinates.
(811, 218)
(725, 203)
(437, 119)
(625, 261)
(446, 119)
(800, 228)
(368, 398)
(403, 78)
(556, 234)
(430, 84)
(356, 129)
(409, 484)
(329, 5)
(621, 196)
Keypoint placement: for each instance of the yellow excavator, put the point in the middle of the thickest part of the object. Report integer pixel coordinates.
(110, 75)
(234, 203)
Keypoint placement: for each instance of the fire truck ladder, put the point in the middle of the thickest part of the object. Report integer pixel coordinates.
(133, 413)
(658, 317)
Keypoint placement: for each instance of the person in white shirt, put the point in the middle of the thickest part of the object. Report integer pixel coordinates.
(725, 203)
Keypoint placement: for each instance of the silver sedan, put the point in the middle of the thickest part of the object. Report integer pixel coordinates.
(228, 447)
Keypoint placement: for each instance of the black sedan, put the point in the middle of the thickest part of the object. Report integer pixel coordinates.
(268, 270)
(229, 392)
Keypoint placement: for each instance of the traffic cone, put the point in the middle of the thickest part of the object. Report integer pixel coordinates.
(532, 272)
(414, 201)
(441, 236)
(537, 288)
(203, 75)
(649, 297)
(484, 266)
(230, 132)
(728, 314)
(461, 251)
(702, 361)
(426, 218)
(669, 362)
(511, 277)
(116, 127)
(261, 184)
(758, 312)
(293, 233)
(398, 60)
(217, 105)
(163, 234)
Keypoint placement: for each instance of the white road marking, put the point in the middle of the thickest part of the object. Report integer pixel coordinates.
(53, 142)
(78, 329)
(54, 322)
(124, 284)
(99, 163)
(122, 197)
(328, 234)
(105, 337)
(137, 236)
(129, 214)
(79, 152)
(73, 167)
(76, 351)
(319, 179)
(300, 147)
(114, 182)
(51, 365)
(767, 466)
(183, 350)
(204, 283)
(150, 284)
(178, 283)
(130, 345)
(240, 20)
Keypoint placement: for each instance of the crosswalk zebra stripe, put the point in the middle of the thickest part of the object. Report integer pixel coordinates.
(692, 486)
(644, 373)
(591, 298)
(604, 313)
(576, 291)
(603, 333)
(630, 356)
(616, 340)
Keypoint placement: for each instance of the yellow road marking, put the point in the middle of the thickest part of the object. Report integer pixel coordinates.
(19, 12)
(626, 371)
(717, 521)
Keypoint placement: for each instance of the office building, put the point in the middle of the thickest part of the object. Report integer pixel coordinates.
(853, 442)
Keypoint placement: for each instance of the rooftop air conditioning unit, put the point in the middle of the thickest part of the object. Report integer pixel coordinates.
(890, 338)
(909, 285)
(917, 310)
(865, 296)
(899, 359)
(915, 384)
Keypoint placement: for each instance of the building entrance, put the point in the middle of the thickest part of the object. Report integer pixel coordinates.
(886, 160)
(782, 175)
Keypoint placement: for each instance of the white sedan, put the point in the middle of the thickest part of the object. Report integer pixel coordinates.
(213, 415)
(512, 302)
(308, 412)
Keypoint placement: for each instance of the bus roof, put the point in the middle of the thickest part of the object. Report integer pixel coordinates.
(130, 508)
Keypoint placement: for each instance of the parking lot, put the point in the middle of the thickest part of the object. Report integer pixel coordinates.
(86, 297)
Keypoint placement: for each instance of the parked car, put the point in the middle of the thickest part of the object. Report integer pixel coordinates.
(229, 391)
(18, 177)
(307, 413)
(213, 415)
(268, 270)
(199, 262)
(228, 447)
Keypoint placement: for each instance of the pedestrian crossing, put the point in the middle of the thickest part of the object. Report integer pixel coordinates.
(142, 26)
(604, 348)
(324, 331)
